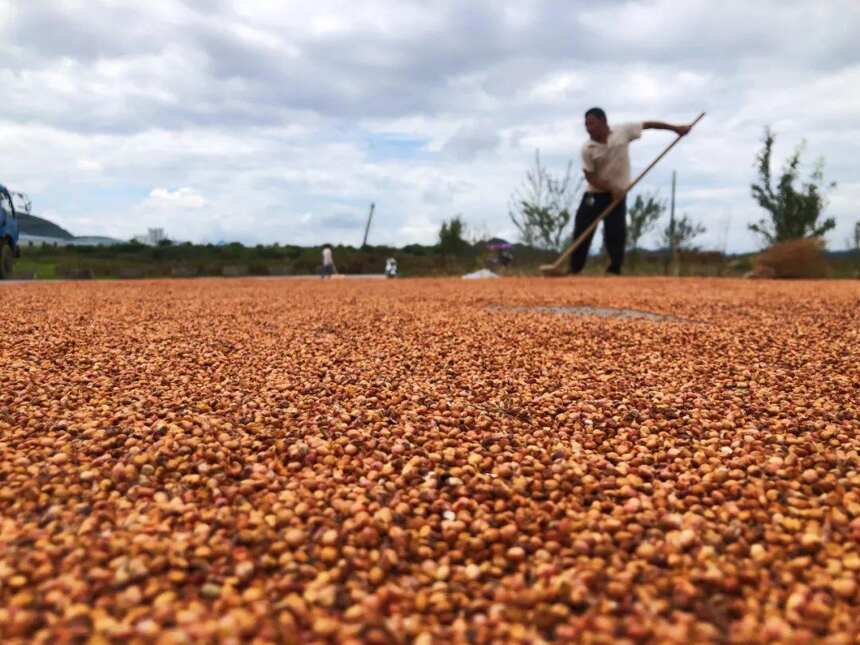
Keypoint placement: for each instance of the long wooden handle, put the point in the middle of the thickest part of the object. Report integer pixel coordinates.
(615, 202)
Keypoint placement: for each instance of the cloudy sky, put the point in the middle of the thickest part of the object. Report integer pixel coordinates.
(281, 120)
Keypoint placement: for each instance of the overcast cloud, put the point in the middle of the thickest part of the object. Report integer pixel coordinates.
(281, 121)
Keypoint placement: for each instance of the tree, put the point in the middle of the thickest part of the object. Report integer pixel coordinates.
(641, 218)
(685, 231)
(451, 236)
(541, 208)
(791, 213)
(478, 234)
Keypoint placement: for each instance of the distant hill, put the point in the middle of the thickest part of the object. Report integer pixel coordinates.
(33, 225)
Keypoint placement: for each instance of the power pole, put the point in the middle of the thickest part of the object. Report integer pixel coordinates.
(674, 245)
(367, 228)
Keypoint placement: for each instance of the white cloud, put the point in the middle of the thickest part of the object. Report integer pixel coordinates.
(89, 165)
(557, 87)
(180, 199)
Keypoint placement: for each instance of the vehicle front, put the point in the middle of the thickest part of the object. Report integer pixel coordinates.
(9, 248)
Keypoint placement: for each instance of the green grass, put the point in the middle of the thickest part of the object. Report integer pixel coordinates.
(40, 270)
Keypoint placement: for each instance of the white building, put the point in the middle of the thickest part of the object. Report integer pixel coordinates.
(25, 240)
(94, 240)
(152, 237)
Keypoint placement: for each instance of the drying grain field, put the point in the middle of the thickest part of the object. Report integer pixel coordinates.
(429, 461)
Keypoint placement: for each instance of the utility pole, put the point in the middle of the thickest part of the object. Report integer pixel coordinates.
(367, 228)
(674, 245)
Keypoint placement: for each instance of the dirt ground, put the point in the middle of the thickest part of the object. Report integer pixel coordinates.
(430, 461)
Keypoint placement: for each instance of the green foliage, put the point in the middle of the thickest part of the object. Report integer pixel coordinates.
(792, 213)
(681, 236)
(542, 208)
(417, 249)
(184, 260)
(415, 260)
(642, 217)
(452, 239)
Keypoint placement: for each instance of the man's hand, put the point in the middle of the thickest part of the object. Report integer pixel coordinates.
(680, 130)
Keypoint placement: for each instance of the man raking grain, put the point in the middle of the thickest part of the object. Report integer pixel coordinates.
(606, 164)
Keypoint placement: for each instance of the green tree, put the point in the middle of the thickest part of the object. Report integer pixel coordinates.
(452, 239)
(642, 217)
(542, 207)
(792, 213)
(684, 232)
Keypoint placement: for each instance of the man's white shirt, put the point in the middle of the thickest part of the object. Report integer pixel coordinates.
(611, 160)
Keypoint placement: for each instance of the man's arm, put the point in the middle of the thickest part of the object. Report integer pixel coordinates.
(680, 130)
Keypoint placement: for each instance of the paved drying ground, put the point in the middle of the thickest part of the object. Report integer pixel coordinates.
(388, 461)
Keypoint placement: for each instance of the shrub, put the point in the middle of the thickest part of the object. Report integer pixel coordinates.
(792, 212)
(800, 258)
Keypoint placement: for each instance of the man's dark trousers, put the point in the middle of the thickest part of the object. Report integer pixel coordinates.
(614, 230)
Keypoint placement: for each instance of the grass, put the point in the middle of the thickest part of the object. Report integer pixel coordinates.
(135, 260)
(38, 269)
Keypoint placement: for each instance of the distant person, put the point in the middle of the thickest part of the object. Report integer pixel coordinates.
(501, 256)
(391, 268)
(606, 164)
(505, 257)
(328, 268)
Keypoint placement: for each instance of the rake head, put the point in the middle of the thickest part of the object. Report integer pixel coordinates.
(552, 270)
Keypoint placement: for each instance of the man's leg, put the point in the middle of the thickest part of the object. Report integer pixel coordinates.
(615, 234)
(585, 214)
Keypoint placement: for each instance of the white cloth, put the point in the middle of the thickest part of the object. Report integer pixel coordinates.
(327, 258)
(611, 160)
(480, 275)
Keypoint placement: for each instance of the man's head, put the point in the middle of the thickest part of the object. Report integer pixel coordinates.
(596, 124)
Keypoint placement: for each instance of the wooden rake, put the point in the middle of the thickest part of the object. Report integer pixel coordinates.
(561, 265)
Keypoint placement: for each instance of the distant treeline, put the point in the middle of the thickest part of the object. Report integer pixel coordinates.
(186, 259)
(135, 260)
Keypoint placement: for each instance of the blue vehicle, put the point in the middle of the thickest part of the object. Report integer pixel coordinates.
(9, 249)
